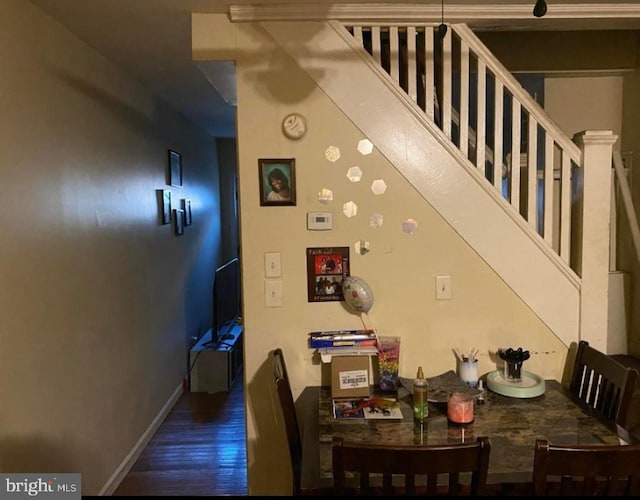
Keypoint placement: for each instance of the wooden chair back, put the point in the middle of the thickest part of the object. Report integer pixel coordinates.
(586, 470)
(603, 384)
(285, 396)
(420, 470)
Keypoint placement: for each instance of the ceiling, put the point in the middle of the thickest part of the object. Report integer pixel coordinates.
(151, 39)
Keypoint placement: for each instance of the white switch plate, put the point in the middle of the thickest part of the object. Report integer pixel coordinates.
(273, 293)
(272, 265)
(443, 287)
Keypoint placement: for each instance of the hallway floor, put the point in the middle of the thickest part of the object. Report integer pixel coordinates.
(200, 449)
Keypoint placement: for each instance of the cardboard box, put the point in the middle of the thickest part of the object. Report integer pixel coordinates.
(350, 377)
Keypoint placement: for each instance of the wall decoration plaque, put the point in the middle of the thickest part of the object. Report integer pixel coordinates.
(326, 269)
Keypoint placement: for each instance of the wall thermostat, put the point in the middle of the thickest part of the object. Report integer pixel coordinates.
(319, 221)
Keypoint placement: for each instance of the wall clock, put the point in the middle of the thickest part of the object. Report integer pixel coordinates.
(294, 126)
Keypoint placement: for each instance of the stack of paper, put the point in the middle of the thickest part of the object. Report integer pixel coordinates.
(342, 338)
(368, 408)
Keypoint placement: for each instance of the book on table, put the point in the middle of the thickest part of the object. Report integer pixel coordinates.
(367, 408)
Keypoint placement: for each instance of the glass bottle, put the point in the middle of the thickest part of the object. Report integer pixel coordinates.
(420, 404)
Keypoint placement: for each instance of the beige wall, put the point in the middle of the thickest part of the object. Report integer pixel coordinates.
(562, 51)
(578, 103)
(400, 268)
(98, 298)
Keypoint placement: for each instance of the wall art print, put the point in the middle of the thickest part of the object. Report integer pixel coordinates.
(327, 267)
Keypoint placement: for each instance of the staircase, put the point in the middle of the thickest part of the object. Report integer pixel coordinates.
(453, 120)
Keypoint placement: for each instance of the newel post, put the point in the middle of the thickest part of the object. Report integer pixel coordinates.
(591, 230)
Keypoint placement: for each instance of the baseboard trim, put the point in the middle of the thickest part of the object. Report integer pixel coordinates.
(129, 461)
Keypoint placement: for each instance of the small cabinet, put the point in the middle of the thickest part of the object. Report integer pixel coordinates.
(215, 368)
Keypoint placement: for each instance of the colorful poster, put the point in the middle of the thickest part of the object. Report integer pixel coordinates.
(326, 269)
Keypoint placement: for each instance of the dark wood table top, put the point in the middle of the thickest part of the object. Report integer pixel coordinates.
(512, 425)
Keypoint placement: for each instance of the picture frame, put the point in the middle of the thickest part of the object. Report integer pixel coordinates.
(277, 181)
(327, 267)
(175, 168)
(178, 217)
(165, 206)
(186, 206)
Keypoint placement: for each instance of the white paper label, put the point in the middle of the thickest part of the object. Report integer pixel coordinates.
(354, 379)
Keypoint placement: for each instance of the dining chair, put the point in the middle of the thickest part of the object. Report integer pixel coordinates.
(586, 470)
(420, 470)
(285, 397)
(603, 384)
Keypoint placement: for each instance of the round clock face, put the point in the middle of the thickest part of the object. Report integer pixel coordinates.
(294, 126)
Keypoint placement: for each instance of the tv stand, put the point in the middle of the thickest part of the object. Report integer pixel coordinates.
(214, 367)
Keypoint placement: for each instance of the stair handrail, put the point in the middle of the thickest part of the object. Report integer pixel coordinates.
(350, 53)
(559, 154)
(627, 201)
(523, 96)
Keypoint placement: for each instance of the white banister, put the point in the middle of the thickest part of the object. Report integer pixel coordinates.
(453, 87)
(625, 193)
(464, 99)
(446, 84)
(438, 75)
(532, 174)
(549, 167)
(498, 111)
(514, 187)
(481, 122)
(565, 208)
(429, 82)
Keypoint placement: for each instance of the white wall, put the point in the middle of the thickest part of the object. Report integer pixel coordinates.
(98, 299)
(400, 268)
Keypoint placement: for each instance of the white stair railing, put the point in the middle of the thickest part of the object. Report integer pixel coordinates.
(622, 185)
(520, 247)
(485, 111)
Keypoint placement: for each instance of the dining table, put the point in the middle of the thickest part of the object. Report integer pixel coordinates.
(512, 424)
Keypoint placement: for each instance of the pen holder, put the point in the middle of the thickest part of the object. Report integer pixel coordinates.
(468, 372)
(513, 371)
(513, 359)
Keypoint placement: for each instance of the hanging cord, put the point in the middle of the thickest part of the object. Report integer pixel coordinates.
(442, 29)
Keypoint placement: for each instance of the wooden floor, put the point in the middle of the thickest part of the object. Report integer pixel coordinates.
(200, 449)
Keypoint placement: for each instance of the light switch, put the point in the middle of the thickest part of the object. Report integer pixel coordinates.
(443, 287)
(273, 293)
(272, 265)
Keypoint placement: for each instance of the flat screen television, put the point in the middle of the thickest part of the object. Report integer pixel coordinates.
(227, 307)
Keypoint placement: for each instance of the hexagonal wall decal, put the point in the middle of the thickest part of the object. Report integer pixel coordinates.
(378, 186)
(354, 174)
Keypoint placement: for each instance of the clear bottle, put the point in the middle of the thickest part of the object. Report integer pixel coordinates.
(480, 398)
(420, 391)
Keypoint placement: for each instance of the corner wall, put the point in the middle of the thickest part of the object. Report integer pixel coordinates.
(98, 298)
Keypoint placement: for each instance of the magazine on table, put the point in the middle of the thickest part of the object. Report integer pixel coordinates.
(367, 408)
